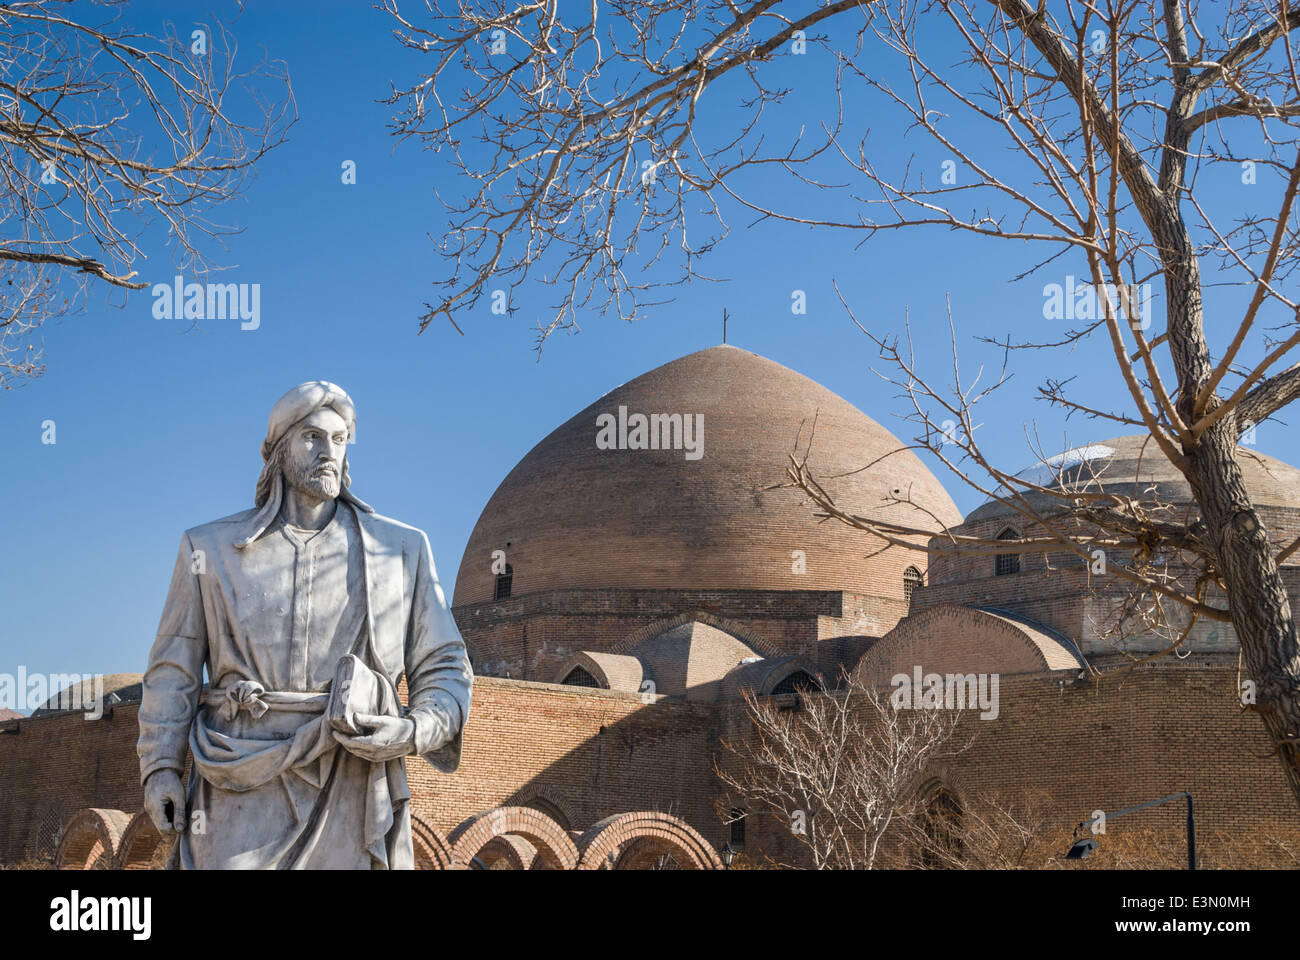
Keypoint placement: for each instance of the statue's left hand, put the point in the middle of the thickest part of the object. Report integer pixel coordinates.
(387, 737)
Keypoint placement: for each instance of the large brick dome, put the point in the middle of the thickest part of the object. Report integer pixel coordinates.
(571, 515)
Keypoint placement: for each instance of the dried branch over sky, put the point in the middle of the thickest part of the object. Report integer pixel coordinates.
(108, 137)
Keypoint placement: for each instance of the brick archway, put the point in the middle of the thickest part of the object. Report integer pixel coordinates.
(555, 848)
(142, 847)
(511, 852)
(605, 844)
(645, 853)
(432, 851)
(91, 839)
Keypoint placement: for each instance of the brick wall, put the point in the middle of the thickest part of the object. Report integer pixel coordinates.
(589, 753)
(1128, 740)
(58, 764)
(592, 753)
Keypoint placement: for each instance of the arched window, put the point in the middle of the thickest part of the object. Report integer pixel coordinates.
(542, 805)
(578, 677)
(503, 583)
(737, 828)
(911, 580)
(48, 834)
(800, 681)
(1007, 562)
(941, 829)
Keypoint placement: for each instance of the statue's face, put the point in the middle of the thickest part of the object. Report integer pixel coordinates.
(314, 456)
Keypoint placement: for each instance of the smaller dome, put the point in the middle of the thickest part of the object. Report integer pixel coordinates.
(1135, 465)
(117, 688)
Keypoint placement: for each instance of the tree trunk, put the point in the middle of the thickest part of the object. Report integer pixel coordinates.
(1257, 598)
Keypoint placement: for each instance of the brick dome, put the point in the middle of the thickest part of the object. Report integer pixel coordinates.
(1133, 464)
(571, 515)
(117, 688)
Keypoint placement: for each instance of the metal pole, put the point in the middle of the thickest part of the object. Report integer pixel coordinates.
(1191, 821)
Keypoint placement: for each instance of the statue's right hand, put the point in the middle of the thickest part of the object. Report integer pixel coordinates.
(162, 787)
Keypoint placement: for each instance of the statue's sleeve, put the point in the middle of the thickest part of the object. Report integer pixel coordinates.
(174, 678)
(439, 678)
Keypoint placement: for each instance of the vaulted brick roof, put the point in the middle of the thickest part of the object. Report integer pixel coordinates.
(958, 639)
(570, 515)
(691, 659)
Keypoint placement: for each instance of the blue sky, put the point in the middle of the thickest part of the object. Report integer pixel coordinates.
(158, 424)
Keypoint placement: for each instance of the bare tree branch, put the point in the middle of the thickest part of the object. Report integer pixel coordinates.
(105, 133)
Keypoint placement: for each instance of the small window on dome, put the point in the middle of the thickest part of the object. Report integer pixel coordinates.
(503, 583)
(1007, 562)
(911, 580)
(578, 677)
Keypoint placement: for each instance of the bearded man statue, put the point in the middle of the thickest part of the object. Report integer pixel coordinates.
(305, 611)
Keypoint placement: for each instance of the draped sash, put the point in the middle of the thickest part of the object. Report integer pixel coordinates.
(243, 763)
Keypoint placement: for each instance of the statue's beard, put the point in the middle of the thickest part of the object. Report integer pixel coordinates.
(313, 481)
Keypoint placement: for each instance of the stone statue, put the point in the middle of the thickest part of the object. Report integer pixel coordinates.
(294, 769)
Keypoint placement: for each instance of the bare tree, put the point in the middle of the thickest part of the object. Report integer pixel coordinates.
(104, 132)
(838, 769)
(1092, 124)
(989, 832)
(1029, 831)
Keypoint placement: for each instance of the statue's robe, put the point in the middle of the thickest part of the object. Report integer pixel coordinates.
(271, 787)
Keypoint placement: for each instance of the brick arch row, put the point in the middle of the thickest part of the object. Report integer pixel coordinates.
(517, 837)
(554, 847)
(432, 851)
(631, 841)
(91, 839)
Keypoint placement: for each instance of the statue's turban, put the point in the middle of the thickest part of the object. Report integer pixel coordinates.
(302, 401)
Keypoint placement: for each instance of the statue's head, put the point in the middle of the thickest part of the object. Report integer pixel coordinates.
(306, 442)
(306, 436)
(311, 454)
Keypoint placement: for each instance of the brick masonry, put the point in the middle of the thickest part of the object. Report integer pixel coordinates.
(583, 755)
